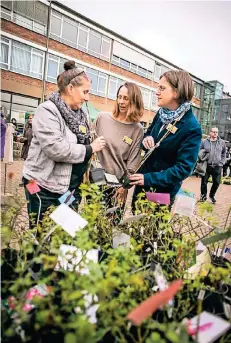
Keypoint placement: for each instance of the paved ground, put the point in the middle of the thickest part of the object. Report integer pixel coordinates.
(14, 175)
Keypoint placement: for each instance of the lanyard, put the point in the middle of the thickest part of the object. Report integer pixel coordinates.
(148, 154)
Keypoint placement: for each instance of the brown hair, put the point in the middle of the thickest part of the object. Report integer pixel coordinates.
(182, 82)
(136, 104)
(70, 75)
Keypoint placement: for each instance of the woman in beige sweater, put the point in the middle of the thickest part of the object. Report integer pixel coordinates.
(123, 134)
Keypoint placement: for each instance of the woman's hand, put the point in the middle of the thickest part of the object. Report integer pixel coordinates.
(98, 144)
(121, 195)
(148, 142)
(137, 179)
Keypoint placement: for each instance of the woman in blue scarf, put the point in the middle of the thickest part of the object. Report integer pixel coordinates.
(176, 135)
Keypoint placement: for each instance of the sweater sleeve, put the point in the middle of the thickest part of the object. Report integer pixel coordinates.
(135, 153)
(47, 129)
(186, 159)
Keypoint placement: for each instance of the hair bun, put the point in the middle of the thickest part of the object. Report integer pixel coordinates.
(69, 65)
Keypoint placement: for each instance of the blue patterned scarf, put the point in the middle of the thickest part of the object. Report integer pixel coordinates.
(167, 116)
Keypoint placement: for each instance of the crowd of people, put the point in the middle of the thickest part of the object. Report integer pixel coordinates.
(60, 143)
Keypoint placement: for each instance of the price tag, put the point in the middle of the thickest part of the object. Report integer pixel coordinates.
(32, 187)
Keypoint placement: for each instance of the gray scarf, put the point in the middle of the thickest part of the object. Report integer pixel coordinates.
(76, 120)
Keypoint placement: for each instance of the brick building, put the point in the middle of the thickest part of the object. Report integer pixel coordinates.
(37, 37)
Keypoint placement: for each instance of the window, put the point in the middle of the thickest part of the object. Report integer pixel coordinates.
(55, 67)
(157, 72)
(79, 36)
(94, 43)
(197, 90)
(70, 31)
(56, 24)
(21, 58)
(124, 64)
(115, 60)
(154, 105)
(82, 39)
(52, 68)
(146, 94)
(132, 67)
(105, 48)
(98, 82)
(114, 84)
(32, 15)
(5, 46)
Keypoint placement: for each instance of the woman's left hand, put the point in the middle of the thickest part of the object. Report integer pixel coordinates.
(137, 179)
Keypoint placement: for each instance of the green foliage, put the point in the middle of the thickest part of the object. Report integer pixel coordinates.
(117, 284)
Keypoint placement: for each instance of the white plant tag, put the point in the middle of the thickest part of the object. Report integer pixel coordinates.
(71, 256)
(216, 327)
(184, 205)
(121, 239)
(110, 178)
(200, 246)
(68, 219)
(201, 295)
(227, 310)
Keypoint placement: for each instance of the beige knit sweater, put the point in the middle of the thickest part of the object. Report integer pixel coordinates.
(122, 152)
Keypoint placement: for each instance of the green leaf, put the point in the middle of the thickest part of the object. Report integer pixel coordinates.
(70, 338)
(217, 238)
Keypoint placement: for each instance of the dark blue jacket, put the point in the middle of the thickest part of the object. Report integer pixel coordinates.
(175, 158)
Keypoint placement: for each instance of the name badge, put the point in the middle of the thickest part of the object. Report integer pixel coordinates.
(82, 129)
(171, 128)
(127, 140)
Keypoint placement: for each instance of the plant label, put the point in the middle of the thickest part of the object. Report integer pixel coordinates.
(67, 198)
(110, 178)
(33, 187)
(208, 327)
(159, 198)
(121, 239)
(184, 205)
(69, 220)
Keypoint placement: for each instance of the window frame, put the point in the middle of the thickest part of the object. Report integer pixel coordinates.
(32, 51)
(11, 13)
(84, 28)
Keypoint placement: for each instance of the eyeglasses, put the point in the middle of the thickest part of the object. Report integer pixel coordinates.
(214, 131)
(162, 88)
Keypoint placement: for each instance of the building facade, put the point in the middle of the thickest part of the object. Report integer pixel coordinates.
(37, 37)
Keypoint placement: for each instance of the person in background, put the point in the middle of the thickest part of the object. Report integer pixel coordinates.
(175, 156)
(123, 134)
(60, 148)
(227, 163)
(3, 134)
(26, 139)
(216, 160)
